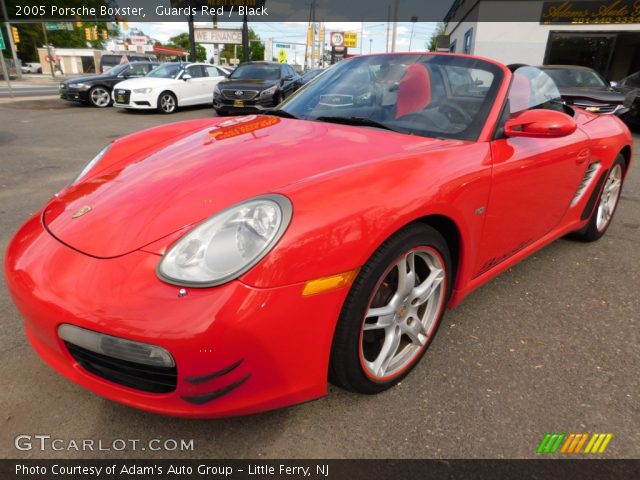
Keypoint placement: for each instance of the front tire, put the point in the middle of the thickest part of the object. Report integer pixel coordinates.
(392, 311)
(606, 206)
(167, 103)
(99, 97)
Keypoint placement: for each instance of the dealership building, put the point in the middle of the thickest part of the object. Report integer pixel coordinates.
(604, 35)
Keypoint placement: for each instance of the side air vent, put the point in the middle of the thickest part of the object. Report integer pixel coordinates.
(587, 180)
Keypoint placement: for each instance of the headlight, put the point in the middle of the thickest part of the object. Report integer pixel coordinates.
(142, 90)
(80, 86)
(270, 90)
(228, 244)
(216, 90)
(91, 164)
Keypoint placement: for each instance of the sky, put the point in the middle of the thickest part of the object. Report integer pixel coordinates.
(284, 32)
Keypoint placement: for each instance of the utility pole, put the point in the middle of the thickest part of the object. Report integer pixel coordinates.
(313, 33)
(386, 48)
(46, 42)
(361, 36)
(245, 39)
(216, 46)
(395, 25)
(192, 42)
(10, 38)
(413, 23)
(370, 45)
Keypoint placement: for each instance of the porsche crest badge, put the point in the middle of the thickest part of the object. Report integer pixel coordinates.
(82, 211)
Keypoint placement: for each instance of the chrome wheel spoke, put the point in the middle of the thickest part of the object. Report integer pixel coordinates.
(609, 198)
(416, 332)
(407, 274)
(423, 292)
(389, 349)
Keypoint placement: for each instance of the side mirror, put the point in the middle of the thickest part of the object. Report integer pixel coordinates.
(288, 77)
(539, 124)
(186, 77)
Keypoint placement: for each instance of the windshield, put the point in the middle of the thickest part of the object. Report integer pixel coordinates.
(429, 95)
(117, 70)
(565, 77)
(256, 72)
(533, 88)
(168, 70)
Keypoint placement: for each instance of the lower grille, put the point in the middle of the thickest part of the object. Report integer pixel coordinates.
(133, 375)
(122, 96)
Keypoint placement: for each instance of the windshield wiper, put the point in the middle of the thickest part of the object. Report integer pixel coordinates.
(359, 121)
(279, 113)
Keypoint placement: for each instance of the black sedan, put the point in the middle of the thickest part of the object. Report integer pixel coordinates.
(96, 89)
(586, 88)
(255, 86)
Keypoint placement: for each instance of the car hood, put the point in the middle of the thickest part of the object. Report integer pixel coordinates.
(144, 82)
(246, 84)
(138, 200)
(597, 94)
(87, 78)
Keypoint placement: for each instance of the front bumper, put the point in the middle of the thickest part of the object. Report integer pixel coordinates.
(74, 95)
(143, 101)
(238, 349)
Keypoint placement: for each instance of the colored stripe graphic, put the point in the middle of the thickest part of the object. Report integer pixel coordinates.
(550, 443)
(573, 443)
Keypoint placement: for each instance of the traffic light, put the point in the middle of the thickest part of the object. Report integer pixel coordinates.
(79, 24)
(15, 34)
(104, 34)
(94, 33)
(87, 33)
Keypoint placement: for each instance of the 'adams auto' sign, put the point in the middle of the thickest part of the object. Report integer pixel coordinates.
(591, 12)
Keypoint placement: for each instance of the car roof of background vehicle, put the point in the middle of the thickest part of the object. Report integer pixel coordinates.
(565, 67)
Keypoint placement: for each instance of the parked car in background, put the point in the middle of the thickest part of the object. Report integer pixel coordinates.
(630, 86)
(311, 74)
(96, 89)
(255, 86)
(110, 60)
(31, 67)
(585, 88)
(170, 86)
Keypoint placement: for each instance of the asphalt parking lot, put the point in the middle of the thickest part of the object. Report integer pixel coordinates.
(549, 346)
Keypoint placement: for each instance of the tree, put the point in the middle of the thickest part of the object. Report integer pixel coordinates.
(256, 48)
(182, 41)
(432, 44)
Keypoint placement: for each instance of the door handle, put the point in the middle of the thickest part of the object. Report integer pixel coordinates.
(583, 156)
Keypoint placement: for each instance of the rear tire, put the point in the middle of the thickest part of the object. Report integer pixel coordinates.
(167, 103)
(606, 205)
(403, 288)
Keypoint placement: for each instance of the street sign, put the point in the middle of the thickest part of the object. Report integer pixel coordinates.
(218, 35)
(283, 45)
(55, 26)
(337, 39)
(234, 61)
(351, 40)
(282, 56)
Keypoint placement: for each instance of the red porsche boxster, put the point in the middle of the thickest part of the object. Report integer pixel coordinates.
(226, 266)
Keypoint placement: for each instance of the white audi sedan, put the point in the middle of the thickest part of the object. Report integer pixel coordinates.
(169, 86)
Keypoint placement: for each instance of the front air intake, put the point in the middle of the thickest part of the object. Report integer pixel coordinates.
(587, 180)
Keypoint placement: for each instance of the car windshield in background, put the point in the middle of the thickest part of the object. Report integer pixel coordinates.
(168, 70)
(256, 72)
(567, 77)
(117, 70)
(428, 95)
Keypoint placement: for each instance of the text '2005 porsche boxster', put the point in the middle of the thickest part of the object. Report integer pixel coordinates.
(224, 266)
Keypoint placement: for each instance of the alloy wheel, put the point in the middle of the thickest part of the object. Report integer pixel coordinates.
(402, 314)
(100, 97)
(609, 197)
(167, 103)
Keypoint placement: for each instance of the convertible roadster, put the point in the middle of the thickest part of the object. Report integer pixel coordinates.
(227, 266)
